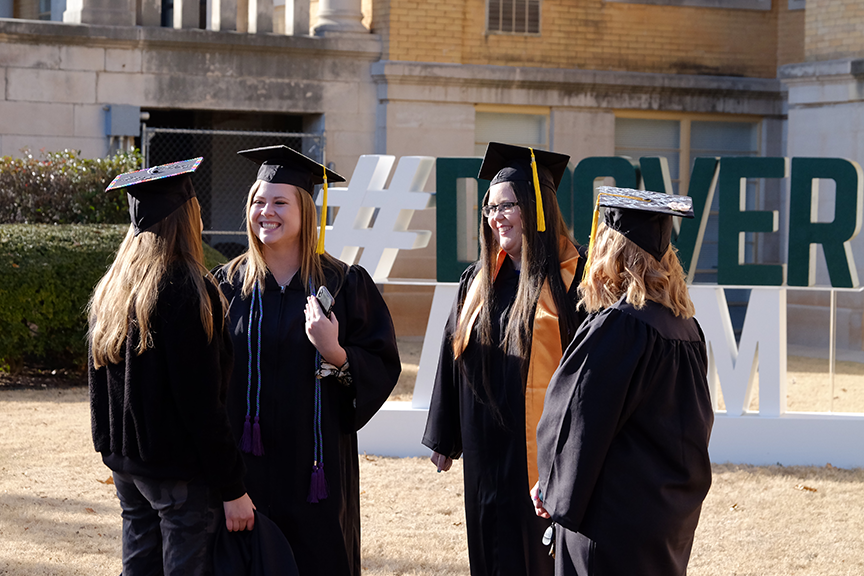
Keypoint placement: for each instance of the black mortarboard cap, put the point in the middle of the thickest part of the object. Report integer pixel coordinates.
(264, 550)
(282, 165)
(154, 193)
(509, 163)
(644, 218)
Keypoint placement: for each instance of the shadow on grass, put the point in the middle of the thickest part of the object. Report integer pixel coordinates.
(66, 395)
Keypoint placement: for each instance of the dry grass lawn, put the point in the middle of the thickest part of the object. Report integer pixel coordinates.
(59, 517)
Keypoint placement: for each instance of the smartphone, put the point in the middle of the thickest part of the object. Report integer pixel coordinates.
(325, 299)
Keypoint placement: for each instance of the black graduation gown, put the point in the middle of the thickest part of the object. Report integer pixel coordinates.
(504, 533)
(324, 536)
(623, 443)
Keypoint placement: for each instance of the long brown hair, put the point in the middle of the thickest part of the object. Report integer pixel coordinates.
(131, 285)
(621, 267)
(540, 260)
(312, 264)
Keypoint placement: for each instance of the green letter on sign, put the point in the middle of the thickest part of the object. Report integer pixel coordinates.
(735, 220)
(703, 182)
(447, 172)
(834, 236)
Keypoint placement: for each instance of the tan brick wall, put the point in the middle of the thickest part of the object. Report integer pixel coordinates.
(834, 29)
(790, 35)
(591, 34)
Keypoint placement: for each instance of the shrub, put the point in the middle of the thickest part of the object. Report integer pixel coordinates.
(48, 273)
(63, 188)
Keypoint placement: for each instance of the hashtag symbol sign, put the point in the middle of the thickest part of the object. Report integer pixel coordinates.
(376, 219)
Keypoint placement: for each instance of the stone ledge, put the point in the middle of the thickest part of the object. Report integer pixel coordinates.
(811, 70)
(419, 72)
(579, 88)
(31, 31)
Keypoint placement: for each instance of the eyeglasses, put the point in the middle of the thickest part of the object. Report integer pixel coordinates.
(505, 208)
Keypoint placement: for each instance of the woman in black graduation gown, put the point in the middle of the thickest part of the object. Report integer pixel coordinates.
(623, 441)
(298, 431)
(159, 360)
(514, 313)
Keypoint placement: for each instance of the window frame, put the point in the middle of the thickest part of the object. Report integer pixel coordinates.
(499, 32)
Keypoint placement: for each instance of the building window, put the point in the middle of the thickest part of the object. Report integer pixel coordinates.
(513, 16)
(683, 139)
(31, 9)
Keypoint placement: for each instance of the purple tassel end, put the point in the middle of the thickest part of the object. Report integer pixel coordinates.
(257, 446)
(246, 439)
(318, 485)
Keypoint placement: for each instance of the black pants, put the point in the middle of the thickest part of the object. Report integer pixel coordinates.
(168, 526)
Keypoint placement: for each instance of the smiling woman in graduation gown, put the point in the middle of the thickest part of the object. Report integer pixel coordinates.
(623, 440)
(502, 343)
(298, 433)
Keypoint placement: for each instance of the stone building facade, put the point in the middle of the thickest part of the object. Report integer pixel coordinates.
(676, 78)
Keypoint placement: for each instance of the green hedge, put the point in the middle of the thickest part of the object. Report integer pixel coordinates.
(47, 273)
(63, 188)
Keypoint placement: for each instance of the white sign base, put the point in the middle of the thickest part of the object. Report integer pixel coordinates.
(774, 436)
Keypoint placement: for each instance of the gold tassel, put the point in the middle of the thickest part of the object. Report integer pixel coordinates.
(591, 240)
(320, 248)
(594, 226)
(541, 218)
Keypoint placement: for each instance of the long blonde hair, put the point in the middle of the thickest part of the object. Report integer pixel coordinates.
(131, 285)
(311, 263)
(621, 267)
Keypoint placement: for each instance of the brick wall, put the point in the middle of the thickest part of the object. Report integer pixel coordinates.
(790, 35)
(834, 29)
(594, 35)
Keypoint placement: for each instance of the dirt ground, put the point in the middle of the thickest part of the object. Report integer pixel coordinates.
(59, 516)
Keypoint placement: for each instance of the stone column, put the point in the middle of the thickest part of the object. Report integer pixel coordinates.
(222, 15)
(260, 16)
(106, 12)
(186, 14)
(339, 16)
(150, 13)
(297, 17)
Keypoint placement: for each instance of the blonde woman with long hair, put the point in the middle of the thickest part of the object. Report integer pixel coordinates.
(623, 440)
(304, 380)
(159, 364)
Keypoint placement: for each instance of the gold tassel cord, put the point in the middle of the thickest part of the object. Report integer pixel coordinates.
(591, 239)
(541, 217)
(320, 248)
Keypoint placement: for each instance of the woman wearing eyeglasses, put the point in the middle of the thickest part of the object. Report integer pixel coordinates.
(514, 314)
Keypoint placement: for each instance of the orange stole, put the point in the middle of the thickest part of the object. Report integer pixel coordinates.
(546, 348)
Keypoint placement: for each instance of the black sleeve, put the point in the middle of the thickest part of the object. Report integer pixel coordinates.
(197, 378)
(97, 380)
(443, 428)
(370, 342)
(586, 400)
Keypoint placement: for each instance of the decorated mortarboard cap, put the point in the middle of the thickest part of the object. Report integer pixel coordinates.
(643, 217)
(282, 165)
(509, 163)
(155, 192)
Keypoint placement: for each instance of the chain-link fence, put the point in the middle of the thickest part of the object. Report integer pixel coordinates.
(223, 179)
